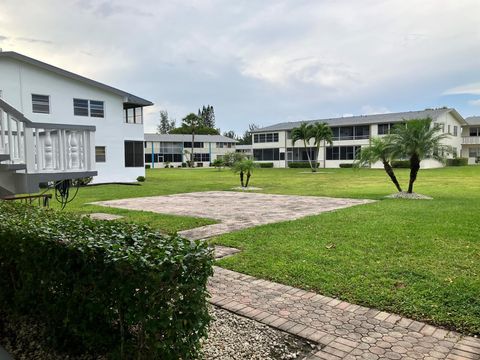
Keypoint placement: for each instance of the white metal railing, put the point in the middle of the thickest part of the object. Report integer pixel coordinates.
(45, 147)
(472, 140)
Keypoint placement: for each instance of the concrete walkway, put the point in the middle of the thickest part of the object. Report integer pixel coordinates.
(234, 210)
(342, 330)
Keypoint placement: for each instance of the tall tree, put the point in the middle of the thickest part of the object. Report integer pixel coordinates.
(230, 134)
(322, 133)
(192, 122)
(246, 139)
(166, 124)
(380, 149)
(419, 139)
(304, 133)
(207, 114)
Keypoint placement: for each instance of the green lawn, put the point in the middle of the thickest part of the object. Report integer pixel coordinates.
(417, 258)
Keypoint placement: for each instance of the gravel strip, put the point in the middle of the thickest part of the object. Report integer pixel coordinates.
(231, 337)
(406, 195)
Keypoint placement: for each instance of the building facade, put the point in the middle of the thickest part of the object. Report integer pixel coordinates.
(175, 149)
(350, 134)
(47, 94)
(471, 140)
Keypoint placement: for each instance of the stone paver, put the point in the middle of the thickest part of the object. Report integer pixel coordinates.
(104, 216)
(343, 330)
(234, 210)
(224, 251)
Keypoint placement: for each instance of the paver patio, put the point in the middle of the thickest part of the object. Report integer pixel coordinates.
(234, 210)
(343, 330)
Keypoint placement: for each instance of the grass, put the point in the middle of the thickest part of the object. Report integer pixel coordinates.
(416, 258)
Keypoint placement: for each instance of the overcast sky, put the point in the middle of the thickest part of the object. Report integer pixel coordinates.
(263, 61)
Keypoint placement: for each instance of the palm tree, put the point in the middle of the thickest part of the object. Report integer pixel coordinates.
(304, 133)
(380, 149)
(322, 132)
(192, 121)
(244, 167)
(418, 140)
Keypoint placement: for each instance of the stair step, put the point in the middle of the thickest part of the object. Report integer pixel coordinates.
(12, 167)
(4, 157)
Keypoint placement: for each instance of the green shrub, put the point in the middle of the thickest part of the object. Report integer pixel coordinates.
(401, 164)
(104, 287)
(346, 166)
(147, 166)
(300, 164)
(457, 162)
(141, 178)
(265, 164)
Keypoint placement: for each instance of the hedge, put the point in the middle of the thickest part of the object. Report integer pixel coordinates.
(346, 166)
(457, 162)
(104, 287)
(301, 164)
(265, 165)
(403, 164)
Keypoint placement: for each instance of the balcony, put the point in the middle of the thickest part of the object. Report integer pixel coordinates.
(32, 153)
(471, 140)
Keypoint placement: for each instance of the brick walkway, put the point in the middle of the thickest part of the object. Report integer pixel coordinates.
(342, 330)
(234, 210)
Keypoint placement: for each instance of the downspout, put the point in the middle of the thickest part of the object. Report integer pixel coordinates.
(210, 152)
(153, 159)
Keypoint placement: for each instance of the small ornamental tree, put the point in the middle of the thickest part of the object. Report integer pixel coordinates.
(419, 139)
(322, 133)
(380, 149)
(304, 133)
(244, 168)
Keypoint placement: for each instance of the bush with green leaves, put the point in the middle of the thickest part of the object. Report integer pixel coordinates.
(141, 178)
(231, 158)
(265, 165)
(346, 166)
(300, 165)
(104, 287)
(457, 162)
(400, 164)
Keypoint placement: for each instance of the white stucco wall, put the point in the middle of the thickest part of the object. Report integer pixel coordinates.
(18, 81)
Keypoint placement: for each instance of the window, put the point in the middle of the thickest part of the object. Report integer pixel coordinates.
(100, 154)
(449, 129)
(362, 132)
(201, 157)
(474, 152)
(342, 152)
(41, 104)
(96, 109)
(266, 154)
(442, 127)
(455, 130)
(197, 145)
(222, 145)
(134, 115)
(134, 154)
(346, 133)
(80, 107)
(265, 138)
(475, 131)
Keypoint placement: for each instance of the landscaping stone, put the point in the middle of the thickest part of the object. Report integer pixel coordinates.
(234, 210)
(104, 216)
(250, 188)
(406, 195)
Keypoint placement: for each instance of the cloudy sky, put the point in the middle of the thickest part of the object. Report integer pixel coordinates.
(261, 61)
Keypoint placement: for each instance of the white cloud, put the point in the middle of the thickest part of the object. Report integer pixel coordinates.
(472, 89)
(474, 102)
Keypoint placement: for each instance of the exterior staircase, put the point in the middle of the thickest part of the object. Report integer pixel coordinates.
(32, 153)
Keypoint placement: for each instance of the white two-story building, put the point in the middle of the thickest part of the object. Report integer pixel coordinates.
(471, 140)
(274, 143)
(68, 105)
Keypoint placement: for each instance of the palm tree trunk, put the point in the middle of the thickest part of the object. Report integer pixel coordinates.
(308, 155)
(414, 167)
(324, 154)
(241, 178)
(248, 178)
(390, 172)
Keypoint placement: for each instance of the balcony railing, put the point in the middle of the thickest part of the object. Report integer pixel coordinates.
(45, 148)
(471, 140)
